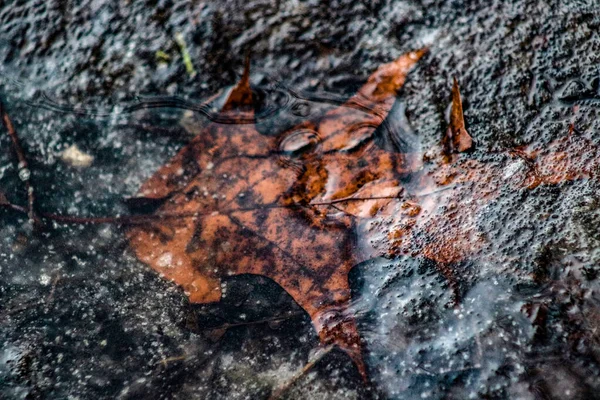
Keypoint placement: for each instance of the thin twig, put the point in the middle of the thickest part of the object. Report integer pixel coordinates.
(256, 322)
(50, 298)
(322, 352)
(23, 306)
(140, 219)
(350, 199)
(233, 325)
(23, 167)
(165, 361)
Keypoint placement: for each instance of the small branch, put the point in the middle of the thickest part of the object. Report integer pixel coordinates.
(118, 220)
(165, 361)
(50, 298)
(140, 219)
(279, 392)
(23, 167)
(350, 199)
(255, 322)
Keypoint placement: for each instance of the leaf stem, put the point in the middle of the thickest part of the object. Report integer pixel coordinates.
(23, 167)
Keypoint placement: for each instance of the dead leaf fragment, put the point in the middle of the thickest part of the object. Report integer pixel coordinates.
(240, 97)
(215, 335)
(457, 139)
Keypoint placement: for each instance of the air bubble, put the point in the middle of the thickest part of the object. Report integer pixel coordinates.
(24, 174)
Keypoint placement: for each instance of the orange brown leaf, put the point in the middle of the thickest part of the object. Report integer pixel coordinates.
(276, 205)
(457, 139)
(304, 205)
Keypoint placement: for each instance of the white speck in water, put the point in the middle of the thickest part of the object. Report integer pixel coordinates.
(24, 174)
(76, 158)
(513, 168)
(165, 260)
(45, 279)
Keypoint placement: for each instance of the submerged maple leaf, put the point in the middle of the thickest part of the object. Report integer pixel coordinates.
(277, 205)
(305, 205)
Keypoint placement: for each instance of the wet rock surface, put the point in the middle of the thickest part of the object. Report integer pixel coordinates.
(81, 318)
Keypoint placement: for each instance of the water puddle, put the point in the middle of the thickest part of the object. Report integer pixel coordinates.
(266, 241)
